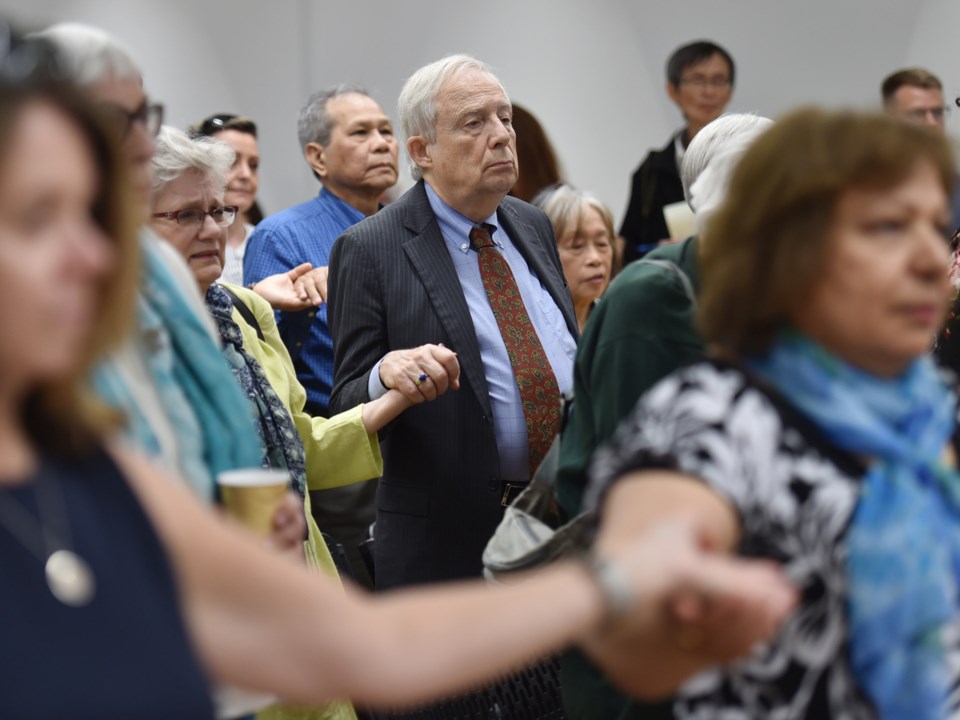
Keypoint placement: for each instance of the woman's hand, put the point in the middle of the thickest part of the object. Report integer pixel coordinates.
(701, 608)
(289, 526)
(313, 284)
(285, 291)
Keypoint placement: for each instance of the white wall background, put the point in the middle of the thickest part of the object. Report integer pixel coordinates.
(591, 71)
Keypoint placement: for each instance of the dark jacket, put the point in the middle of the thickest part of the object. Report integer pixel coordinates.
(641, 331)
(394, 286)
(656, 183)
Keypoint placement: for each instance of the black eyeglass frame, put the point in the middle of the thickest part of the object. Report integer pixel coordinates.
(150, 115)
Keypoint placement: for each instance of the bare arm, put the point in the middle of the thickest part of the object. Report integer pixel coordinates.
(379, 412)
(694, 630)
(261, 622)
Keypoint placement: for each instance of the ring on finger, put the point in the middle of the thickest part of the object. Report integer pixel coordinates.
(421, 378)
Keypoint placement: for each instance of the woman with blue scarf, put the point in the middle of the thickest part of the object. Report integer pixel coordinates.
(819, 434)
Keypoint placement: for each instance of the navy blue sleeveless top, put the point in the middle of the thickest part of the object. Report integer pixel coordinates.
(125, 654)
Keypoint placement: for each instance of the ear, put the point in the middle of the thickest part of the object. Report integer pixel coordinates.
(674, 92)
(313, 152)
(419, 151)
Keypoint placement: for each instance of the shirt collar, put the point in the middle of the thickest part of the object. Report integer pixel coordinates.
(454, 226)
(678, 147)
(326, 197)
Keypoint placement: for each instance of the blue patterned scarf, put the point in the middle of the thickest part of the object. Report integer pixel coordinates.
(903, 545)
(284, 449)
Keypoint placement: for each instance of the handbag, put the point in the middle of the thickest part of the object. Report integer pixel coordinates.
(531, 532)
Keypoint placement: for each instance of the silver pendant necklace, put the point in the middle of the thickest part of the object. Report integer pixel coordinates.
(69, 577)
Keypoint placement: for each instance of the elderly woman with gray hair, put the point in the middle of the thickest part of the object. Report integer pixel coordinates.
(584, 229)
(643, 330)
(189, 213)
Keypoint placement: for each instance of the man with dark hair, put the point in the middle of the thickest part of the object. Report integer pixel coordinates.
(700, 80)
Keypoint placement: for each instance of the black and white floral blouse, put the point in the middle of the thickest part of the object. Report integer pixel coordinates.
(794, 493)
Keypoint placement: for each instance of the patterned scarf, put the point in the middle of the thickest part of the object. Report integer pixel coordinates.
(284, 448)
(903, 545)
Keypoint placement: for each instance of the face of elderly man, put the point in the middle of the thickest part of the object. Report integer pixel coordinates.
(361, 157)
(472, 164)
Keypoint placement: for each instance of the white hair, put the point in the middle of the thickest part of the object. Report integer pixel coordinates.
(564, 205)
(89, 54)
(711, 157)
(176, 153)
(417, 105)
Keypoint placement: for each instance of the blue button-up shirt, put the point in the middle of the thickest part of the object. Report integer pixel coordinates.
(302, 233)
(509, 424)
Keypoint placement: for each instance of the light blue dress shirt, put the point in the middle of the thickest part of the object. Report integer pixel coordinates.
(508, 421)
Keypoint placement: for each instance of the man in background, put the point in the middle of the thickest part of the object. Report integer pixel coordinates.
(700, 80)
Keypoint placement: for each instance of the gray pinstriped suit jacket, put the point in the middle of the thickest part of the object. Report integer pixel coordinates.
(392, 285)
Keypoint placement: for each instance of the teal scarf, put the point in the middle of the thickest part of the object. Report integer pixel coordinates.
(903, 544)
(205, 407)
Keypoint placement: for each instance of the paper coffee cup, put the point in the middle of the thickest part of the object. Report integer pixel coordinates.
(679, 218)
(252, 496)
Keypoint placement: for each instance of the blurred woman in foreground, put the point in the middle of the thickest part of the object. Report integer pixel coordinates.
(110, 570)
(820, 433)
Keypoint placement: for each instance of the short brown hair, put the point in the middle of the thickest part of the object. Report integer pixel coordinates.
(911, 77)
(61, 415)
(764, 248)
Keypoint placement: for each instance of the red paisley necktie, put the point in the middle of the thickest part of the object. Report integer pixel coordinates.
(539, 391)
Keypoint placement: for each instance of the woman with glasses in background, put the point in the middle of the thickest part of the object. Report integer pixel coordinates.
(190, 177)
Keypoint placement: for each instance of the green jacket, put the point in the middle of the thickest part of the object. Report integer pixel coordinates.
(642, 330)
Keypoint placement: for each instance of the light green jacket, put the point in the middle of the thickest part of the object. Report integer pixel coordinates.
(339, 452)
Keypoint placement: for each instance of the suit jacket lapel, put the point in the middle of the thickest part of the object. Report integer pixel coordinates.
(431, 260)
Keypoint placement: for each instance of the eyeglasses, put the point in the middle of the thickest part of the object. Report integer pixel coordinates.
(150, 115)
(920, 114)
(222, 216)
(718, 82)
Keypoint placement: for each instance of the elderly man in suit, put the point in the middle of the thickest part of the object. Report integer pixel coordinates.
(471, 280)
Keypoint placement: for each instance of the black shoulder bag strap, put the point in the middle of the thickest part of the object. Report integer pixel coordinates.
(245, 312)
